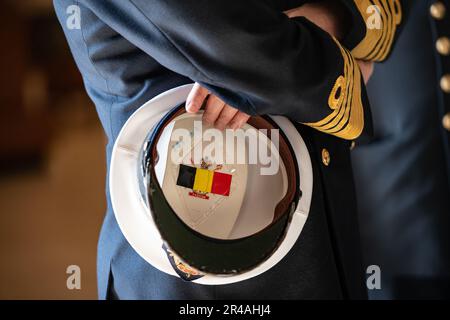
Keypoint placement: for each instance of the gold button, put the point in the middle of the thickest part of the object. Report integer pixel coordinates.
(445, 83)
(326, 157)
(443, 46)
(437, 10)
(446, 121)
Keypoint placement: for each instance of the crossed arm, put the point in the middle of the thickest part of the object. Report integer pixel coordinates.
(254, 58)
(328, 15)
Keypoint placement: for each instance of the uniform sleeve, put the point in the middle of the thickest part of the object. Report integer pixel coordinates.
(374, 27)
(253, 57)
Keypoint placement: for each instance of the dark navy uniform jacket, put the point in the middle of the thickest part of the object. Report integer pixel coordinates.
(403, 176)
(261, 62)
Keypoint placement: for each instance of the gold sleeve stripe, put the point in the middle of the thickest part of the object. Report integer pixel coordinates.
(339, 119)
(389, 24)
(395, 8)
(347, 117)
(382, 18)
(384, 34)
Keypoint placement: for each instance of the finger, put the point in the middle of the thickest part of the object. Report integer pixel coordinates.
(371, 69)
(366, 68)
(212, 110)
(225, 117)
(239, 120)
(196, 98)
(292, 13)
(296, 12)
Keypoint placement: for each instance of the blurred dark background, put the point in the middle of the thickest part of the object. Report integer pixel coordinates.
(52, 164)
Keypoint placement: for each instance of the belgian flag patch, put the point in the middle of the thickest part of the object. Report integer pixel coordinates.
(204, 180)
